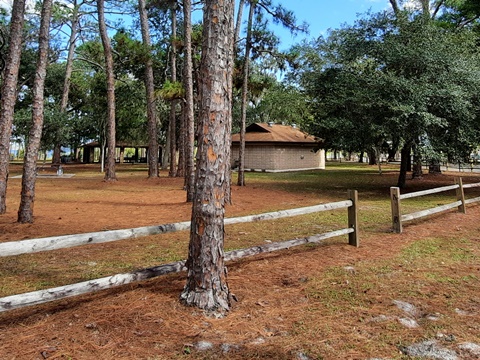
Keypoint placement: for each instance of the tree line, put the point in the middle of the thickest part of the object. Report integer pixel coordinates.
(404, 80)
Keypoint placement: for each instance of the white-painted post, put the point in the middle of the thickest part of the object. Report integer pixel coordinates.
(396, 209)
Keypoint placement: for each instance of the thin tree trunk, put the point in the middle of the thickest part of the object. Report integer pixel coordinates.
(110, 168)
(238, 24)
(206, 285)
(9, 95)
(153, 171)
(56, 159)
(241, 151)
(379, 162)
(181, 145)
(25, 211)
(189, 104)
(395, 7)
(173, 124)
(71, 53)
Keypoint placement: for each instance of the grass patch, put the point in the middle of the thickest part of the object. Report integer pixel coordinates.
(435, 275)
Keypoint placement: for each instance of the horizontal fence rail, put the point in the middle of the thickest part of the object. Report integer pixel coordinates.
(61, 292)
(396, 197)
(66, 241)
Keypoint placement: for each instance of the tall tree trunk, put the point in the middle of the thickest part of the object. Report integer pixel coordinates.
(405, 156)
(181, 144)
(241, 151)
(107, 50)
(25, 211)
(173, 124)
(238, 24)
(153, 171)
(71, 54)
(56, 159)
(9, 95)
(206, 285)
(189, 104)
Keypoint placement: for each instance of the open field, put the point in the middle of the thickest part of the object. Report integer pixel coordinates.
(328, 301)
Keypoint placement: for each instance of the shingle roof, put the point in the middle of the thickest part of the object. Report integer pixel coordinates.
(275, 133)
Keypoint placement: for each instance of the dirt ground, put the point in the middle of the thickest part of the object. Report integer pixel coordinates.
(115, 206)
(146, 320)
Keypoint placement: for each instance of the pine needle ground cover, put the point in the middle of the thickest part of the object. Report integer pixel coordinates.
(328, 301)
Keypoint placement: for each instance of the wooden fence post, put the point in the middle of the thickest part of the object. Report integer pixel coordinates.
(353, 238)
(396, 210)
(460, 195)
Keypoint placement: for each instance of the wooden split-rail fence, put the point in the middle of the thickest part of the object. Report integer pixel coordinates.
(60, 242)
(395, 199)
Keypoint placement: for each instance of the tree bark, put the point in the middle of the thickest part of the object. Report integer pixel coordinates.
(417, 172)
(238, 24)
(56, 159)
(206, 285)
(360, 157)
(372, 157)
(153, 171)
(107, 50)
(395, 7)
(189, 104)
(181, 144)
(173, 123)
(241, 151)
(405, 158)
(25, 211)
(9, 95)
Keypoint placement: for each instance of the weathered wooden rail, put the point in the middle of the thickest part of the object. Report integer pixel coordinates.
(61, 292)
(395, 199)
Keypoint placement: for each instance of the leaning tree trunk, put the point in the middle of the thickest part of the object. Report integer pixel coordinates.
(25, 211)
(189, 113)
(107, 50)
(153, 171)
(206, 285)
(9, 95)
(241, 151)
(172, 134)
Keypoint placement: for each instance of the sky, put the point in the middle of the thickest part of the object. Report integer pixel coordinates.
(322, 15)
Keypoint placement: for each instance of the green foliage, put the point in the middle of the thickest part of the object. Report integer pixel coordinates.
(171, 90)
(394, 81)
(282, 103)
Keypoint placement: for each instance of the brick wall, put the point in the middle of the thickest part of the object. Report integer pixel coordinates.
(277, 158)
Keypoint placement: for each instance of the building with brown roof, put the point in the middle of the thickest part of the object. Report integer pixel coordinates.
(124, 152)
(276, 148)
